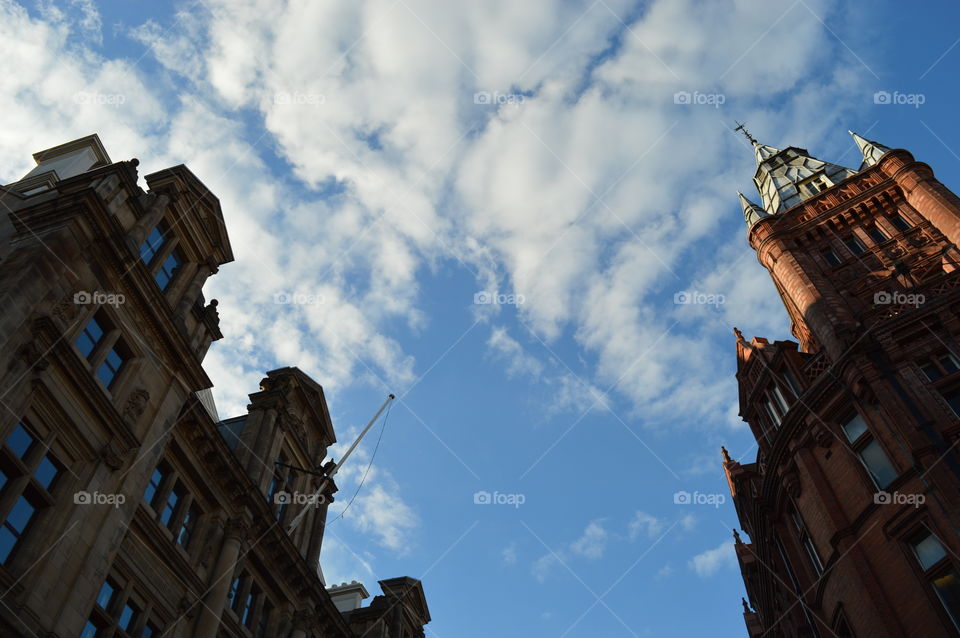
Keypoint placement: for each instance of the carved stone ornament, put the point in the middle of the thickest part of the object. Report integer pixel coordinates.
(822, 436)
(791, 483)
(113, 455)
(135, 406)
(30, 356)
(66, 309)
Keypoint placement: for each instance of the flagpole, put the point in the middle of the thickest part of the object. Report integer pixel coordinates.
(336, 468)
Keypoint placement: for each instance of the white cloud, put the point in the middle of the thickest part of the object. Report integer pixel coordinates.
(509, 554)
(644, 524)
(711, 561)
(543, 566)
(593, 542)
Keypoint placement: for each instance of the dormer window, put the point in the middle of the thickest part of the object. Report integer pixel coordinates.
(168, 269)
(152, 244)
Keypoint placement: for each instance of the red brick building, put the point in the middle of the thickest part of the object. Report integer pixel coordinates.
(852, 505)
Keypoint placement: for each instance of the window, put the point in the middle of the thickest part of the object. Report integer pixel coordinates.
(167, 270)
(942, 575)
(806, 541)
(831, 257)
(953, 399)
(773, 412)
(90, 337)
(780, 400)
(151, 246)
(234, 590)
(900, 223)
(876, 235)
(939, 366)
(108, 370)
(189, 525)
(119, 611)
(854, 245)
(24, 454)
(170, 505)
(869, 450)
(156, 480)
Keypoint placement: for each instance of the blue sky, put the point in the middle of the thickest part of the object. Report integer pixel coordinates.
(360, 176)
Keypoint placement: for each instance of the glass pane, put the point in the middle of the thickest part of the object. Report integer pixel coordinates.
(153, 486)
(931, 371)
(105, 595)
(928, 550)
(953, 398)
(169, 508)
(780, 399)
(948, 589)
(19, 441)
(89, 630)
(3, 479)
(854, 428)
(150, 630)
(854, 245)
(151, 245)
(46, 472)
(106, 374)
(899, 223)
(127, 617)
(949, 363)
(20, 515)
(878, 463)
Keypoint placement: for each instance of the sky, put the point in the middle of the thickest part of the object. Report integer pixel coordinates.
(493, 209)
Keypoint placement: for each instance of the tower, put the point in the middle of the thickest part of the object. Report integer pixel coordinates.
(853, 502)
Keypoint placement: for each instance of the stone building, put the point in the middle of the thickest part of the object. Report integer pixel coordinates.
(128, 507)
(853, 503)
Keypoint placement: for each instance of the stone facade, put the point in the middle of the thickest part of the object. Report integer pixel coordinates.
(129, 508)
(853, 503)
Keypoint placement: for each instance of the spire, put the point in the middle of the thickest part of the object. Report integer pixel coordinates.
(872, 151)
(762, 151)
(752, 213)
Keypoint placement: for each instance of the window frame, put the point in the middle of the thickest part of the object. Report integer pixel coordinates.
(861, 442)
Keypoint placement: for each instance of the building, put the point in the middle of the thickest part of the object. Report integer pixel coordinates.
(852, 505)
(128, 507)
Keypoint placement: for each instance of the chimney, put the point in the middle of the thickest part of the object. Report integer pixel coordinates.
(348, 596)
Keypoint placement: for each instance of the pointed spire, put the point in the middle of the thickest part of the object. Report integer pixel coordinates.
(872, 151)
(764, 152)
(752, 213)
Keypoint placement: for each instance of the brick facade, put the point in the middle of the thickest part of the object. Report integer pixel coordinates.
(853, 503)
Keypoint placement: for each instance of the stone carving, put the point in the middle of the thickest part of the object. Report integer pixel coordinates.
(135, 406)
(66, 309)
(113, 455)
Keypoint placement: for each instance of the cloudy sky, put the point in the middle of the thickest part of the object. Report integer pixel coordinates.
(490, 208)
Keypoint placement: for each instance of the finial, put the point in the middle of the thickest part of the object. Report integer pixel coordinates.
(738, 334)
(746, 607)
(743, 128)
(726, 455)
(736, 537)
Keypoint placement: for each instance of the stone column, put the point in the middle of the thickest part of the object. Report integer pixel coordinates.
(316, 532)
(192, 292)
(215, 600)
(156, 207)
